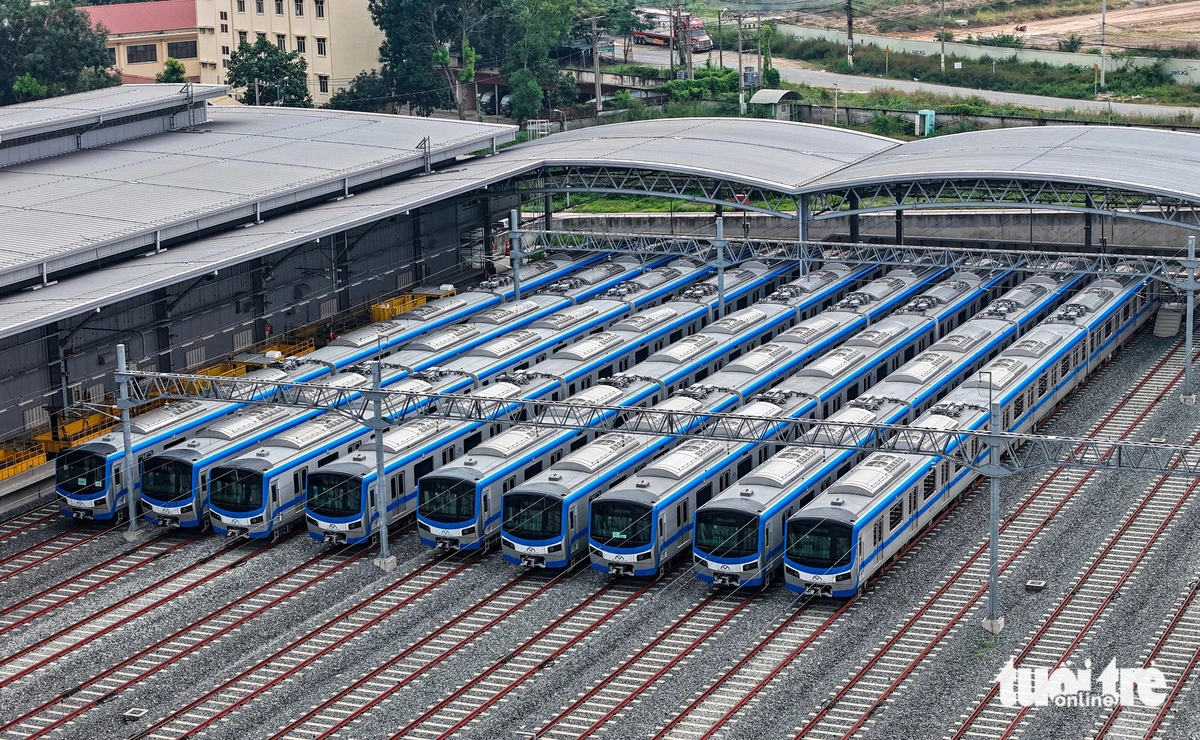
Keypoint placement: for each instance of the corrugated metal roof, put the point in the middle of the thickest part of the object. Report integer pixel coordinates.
(161, 15)
(771, 97)
(791, 158)
(240, 157)
(27, 119)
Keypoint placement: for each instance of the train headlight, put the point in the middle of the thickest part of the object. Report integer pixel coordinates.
(595, 551)
(186, 510)
(555, 548)
(312, 521)
(843, 577)
(423, 527)
(750, 566)
(468, 530)
(256, 520)
(644, 556)
(506, 543)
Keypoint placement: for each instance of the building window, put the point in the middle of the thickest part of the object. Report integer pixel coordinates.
(278, 7)
(319, 8)
(258, 6)
(241, 37)
(329, 308)
(194, 357)
(224, 64)
(299, 8)
(241, 6)
(225, 50)
(323, 83)
(243, 339)
(112, 56)
(300, 45)
(183, 49)
(261, 35)
(141, 53)
(281, 41)
(320, 46)
(224, 28)
(224, 15)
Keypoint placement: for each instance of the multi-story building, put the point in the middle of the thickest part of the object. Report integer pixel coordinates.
(142, 35)
(337, 38)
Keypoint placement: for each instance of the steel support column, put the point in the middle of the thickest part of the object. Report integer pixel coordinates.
(124, 403)
(994, 623)
(1189, 288)
(899, 226)
(853, 217)
(719, 243)
(386, 562)
(514, 235)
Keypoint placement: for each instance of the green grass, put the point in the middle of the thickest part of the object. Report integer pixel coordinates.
(1152, 83)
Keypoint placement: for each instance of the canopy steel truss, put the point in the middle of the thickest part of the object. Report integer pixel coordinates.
(736, 250)
(838, 202)
(1022, 452)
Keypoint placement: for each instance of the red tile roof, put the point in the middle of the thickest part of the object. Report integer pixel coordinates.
(160, 15)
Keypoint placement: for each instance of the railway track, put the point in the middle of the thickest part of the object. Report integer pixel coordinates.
(471, 700)
(32, 519)
(70, 705)
(98, 576)
(70, 638)
(605, 701)
(416, 660)
(1176, 652)
(307, 651)
(48, 549)
(1068, 625)
(852, 704)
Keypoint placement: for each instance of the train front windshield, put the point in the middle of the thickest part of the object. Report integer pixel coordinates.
(79, 472)
(814, 543)
(726, 534)
(334, 494)
(446, 500)
(166, 480)
(532, 517)
(620, 524)
(236, 490)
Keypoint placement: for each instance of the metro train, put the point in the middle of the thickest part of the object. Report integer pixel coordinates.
(280, 464)
(88, 477)
(339, 508)
(843, 536)
(642, 522)
(738, 537)
(174, 483)
(545, 518)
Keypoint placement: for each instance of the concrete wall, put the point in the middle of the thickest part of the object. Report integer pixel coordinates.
(1184, 70)
(824, 114)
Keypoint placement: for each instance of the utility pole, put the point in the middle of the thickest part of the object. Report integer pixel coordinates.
(671, 39)
(741, 73)
(850, 33)
(129, 481)
(760, 59)
(942, 35)
(596, 63)
(721, 38)
(1103, 44)
(256, 91)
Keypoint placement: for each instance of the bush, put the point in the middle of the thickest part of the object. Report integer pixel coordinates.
(771, 78)
(1071, 43)
(526, 95)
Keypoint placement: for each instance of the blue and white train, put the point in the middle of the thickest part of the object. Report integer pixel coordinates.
(641, 523)
(545, 518)
(282, 484)
(841, 538)
(738, 538)
(88, 477)
(340, 506)
(174, 483)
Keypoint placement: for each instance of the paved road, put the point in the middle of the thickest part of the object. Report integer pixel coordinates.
(792, 72)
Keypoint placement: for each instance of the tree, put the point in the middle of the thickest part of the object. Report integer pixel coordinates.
(50, 49)
(281, 75)
(368, 91)
(526, 95)
(173, 71)
(408, 52)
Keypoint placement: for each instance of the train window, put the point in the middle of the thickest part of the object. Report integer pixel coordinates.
(423, 468)
(877, 533)
(1018, 407)
(881, 373)
(745, 466)
(763, 454)
(607, 371)
(274, 493)
(472, 441)
(641, 355)
(735, 354)
(929, 485)
(296, 482)
(1125, 313)
(912, 501)
(533, 470)
(571, 389)
(686, 512)
(554, 396)
(844, 469)
(743, 302)
(624, 364)
(579, 443)
(678, 516)
(1004, 420)
(676, 336)
(571, 520)
(327, 459)
(909, 352)
(1065, 366)
(764, 338)
(447, 455)
(896, 515)
(397, 484)
(852, 392)
(962, 316)
(704, 496)
(1043, 383)
(701, 374)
